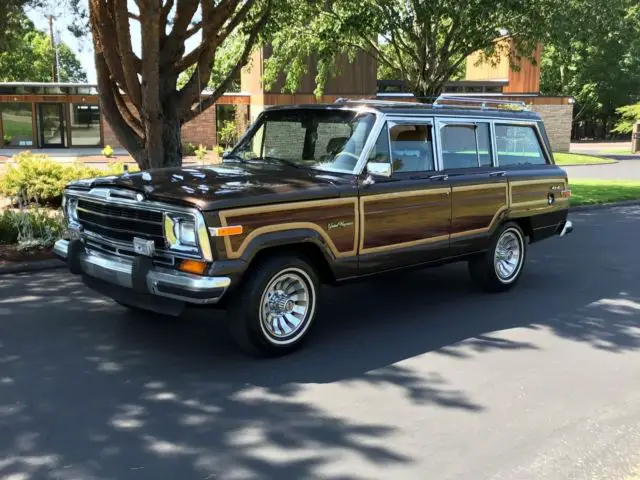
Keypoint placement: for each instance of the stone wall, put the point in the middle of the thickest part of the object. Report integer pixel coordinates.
(557, 122)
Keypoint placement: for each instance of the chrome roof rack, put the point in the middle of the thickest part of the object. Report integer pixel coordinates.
(479, 102)
(371, 101)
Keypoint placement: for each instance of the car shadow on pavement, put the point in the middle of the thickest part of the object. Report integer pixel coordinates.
(89, 390)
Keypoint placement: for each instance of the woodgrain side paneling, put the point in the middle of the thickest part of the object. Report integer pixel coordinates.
(476, 207)
(335, 220)
(404, 219)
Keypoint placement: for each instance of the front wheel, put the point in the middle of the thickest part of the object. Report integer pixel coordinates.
(500, 267)
(272, 313)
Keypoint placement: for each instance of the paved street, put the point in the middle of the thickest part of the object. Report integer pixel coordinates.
(414, 376)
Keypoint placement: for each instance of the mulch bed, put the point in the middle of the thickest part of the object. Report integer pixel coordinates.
(9, 254)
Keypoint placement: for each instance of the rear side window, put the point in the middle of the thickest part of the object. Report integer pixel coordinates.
(518, 145)
(466, 146)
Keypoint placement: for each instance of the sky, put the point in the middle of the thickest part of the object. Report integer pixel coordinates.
(83, 47)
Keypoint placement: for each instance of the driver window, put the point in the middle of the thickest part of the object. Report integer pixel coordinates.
(412, 147)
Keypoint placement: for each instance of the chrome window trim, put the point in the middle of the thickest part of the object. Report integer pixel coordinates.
(393, 120)
(103, 194)
(382, 118)
(442, 122)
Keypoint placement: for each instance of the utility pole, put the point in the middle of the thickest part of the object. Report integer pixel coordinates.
(54, 69)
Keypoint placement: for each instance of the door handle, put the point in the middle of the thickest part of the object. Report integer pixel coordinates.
(438, 177)
(498, 174)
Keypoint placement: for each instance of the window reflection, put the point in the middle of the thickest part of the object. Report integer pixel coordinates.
(17, 124)
(85, 125)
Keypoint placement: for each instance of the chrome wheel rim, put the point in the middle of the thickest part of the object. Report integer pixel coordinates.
(287, 304)
(507, 258)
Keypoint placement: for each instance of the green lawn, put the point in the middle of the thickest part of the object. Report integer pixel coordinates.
(591, 192)
(575, 159)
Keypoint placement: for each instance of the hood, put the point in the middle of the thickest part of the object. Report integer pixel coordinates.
(225, 186)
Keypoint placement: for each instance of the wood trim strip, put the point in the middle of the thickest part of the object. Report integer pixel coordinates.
(239, 212)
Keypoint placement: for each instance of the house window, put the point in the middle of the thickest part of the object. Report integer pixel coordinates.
(17, 124)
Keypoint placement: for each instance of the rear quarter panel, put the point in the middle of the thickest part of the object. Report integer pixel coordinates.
(535, 192)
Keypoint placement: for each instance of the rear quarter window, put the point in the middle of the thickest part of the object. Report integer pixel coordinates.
(518, 145)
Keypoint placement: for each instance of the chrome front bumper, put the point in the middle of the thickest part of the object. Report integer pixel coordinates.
(163, 282)
(566, 229)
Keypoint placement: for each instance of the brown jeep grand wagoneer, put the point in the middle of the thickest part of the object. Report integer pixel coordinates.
(321, 194)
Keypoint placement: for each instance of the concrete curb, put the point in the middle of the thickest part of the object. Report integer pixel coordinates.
(31, 266)
(602, 206)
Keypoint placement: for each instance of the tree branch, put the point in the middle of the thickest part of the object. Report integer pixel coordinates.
(203, 104)
(126, 135)
(129, 64)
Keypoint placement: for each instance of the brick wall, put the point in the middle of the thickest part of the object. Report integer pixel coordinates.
(200, 130)
(557, 121)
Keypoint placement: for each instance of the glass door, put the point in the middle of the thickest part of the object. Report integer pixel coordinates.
(51, 125)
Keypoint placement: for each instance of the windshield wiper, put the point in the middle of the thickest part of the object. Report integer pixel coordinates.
(234, 156)
(283, 161)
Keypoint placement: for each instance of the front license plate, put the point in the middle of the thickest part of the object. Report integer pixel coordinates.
(144, 247)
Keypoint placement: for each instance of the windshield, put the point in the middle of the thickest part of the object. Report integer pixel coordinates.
(308, 138)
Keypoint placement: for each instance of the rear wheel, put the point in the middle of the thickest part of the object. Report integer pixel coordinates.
(272, 313)
(500, 267)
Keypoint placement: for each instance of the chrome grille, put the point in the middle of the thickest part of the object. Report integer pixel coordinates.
(121, 223)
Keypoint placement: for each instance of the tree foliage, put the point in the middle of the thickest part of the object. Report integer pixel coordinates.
(594, 56)
(30, 57)
(422, 42)
(148, 123)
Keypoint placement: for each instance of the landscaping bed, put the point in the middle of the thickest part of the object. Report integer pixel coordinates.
(10, 254)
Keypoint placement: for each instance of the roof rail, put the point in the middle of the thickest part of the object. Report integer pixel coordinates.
(480, 102)
(371, 101)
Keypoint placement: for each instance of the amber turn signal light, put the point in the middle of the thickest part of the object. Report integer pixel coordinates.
(226, 231)
(192, 266)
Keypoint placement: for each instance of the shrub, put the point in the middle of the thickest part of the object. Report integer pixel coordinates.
(7, 139)
(31, 228)
(629, 115)
(201, 152)
(228, 133)
(188, 149)
(36, 178)
(107, 151)
(219, 150)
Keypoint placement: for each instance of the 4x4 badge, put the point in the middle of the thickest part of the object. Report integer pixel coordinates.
(340, 224)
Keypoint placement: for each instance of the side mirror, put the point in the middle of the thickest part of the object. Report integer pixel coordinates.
(225, 154)
(379, 169)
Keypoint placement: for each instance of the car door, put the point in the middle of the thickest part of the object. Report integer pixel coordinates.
(479, 190)
(406, 216)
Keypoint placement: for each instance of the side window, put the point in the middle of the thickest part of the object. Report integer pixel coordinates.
(518, 145)
(380, 151)
(466, 146)
(412, 147)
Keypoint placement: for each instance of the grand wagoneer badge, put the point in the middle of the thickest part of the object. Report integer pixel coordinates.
(340, 224)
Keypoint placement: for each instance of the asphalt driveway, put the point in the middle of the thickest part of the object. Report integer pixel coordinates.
(415, 376)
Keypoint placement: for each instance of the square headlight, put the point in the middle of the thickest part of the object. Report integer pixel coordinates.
(70, 208)
(180, 231)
